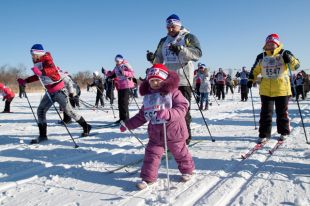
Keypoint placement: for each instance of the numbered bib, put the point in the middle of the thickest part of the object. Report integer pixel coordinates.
(45, 79)
(153, 103)
(169, 56)
(220, 77)
(272, 67)
(243, 75)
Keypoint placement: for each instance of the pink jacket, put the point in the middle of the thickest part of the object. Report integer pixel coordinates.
(176, 126)
(124, 74)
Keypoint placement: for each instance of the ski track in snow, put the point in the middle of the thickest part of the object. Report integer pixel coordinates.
(55, 168)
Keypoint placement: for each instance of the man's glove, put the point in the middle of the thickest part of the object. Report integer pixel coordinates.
(21, 82)
(287, 56)
(249, 84)
(71, 95)
(175, 48)
(150, 56)
(103, 70)
(163, 114)
(36, 71)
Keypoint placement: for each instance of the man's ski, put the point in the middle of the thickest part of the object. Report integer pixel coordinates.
(254, 149)
(276, 146)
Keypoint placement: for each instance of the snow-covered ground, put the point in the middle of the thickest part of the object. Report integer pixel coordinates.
(55, 173)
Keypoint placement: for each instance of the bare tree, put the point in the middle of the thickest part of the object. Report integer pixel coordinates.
(82, 78)
(10, 74)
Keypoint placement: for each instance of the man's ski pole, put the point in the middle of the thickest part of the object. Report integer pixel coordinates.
(31, 108)
(253, 109)
(191, 88)
(302, 120)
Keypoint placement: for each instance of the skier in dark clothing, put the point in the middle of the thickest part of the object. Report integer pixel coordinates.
(98, 82)
(299, 82)
(22, 92)
(243, 75)
(229, 84)
(220, 78)
(109, 85)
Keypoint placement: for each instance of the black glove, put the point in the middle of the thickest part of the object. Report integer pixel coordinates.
(150, 56)
(103, 70)
(287, 55)
(175, 48)
(71, 95)
(249, 84)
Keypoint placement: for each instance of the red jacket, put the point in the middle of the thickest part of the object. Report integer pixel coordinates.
(50, 75)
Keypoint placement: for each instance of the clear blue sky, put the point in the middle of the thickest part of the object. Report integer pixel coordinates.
(85, 35)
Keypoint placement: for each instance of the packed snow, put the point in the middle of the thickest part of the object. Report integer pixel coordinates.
(56, 173)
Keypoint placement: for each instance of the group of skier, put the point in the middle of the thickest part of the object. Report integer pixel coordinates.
(167, 91)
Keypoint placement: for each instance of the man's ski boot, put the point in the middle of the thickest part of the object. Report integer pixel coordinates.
(262, 140)
(42, 137)
(86, 127)
(282, 137)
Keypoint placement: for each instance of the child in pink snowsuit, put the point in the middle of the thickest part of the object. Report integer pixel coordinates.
(162, 102)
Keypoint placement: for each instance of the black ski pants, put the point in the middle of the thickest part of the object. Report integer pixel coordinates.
(7, 105)
(300, 91)
(123, 102)
(220, 91)
(99, 96)
(244, 92)
(265, 122)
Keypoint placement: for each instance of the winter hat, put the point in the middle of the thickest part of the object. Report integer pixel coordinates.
(1, 86)
(173, 20)
(274, 38)
(157, 71)
(96, 73)
(37, 49)
(202, 66)
(119, 57)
